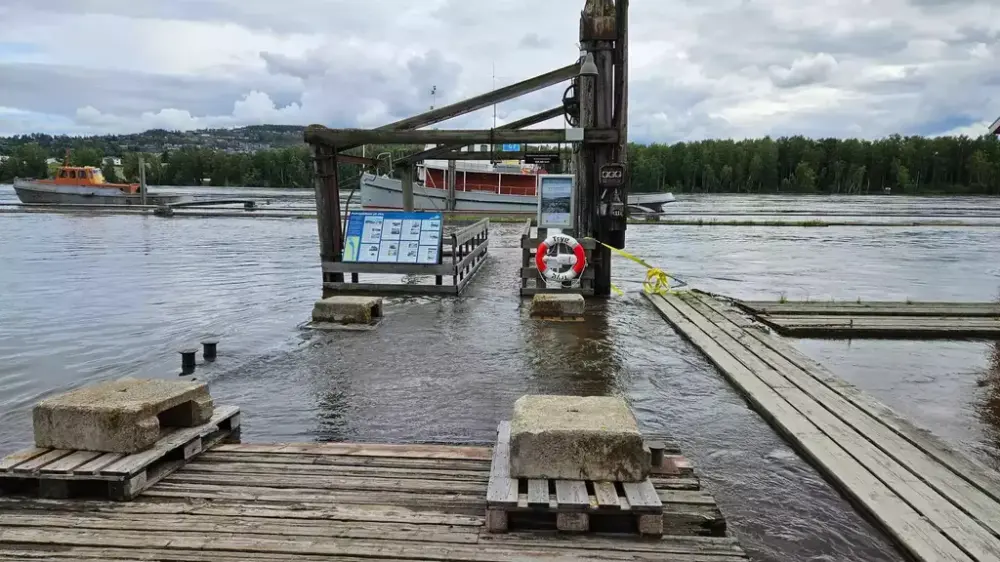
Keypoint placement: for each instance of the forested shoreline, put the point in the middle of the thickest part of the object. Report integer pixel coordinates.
(902, 165)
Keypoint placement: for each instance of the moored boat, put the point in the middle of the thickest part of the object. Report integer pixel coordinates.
(479, 187)
(85, 185)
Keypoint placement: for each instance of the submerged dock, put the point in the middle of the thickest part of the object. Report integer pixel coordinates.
(883, 320)
(346, 502)
(934, 502)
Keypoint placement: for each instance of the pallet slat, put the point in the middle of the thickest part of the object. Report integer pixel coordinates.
(606, 495)
(502, 489)
(10, 461)
(642, 496)
(538, 493)
(38, 462)
(572, 495)
(70, 462)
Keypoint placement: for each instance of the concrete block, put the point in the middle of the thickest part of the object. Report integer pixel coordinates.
(558, 305)
(348, 310)
(573, 522)
(496, 521)
(651, 524)
(576, 438)
(123, 416)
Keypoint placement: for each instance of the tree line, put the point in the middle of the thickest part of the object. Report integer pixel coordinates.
(913, 165)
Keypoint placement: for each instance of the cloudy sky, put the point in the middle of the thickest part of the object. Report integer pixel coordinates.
(700, 68)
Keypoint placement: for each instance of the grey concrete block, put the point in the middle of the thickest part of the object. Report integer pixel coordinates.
(122, 416)
(348, 310)
(558, 305)
(577, 438)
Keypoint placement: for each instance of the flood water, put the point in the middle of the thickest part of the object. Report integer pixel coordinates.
(89, 298)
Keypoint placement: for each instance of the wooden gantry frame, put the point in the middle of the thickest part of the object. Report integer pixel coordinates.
(602, 99)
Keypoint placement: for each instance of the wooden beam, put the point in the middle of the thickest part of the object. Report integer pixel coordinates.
(349, 159)
(995, 127)
(406, 180)
(319, 135)
(498, 155)
(621, 81)
(436, 153)
(486, 100)
(328, 208)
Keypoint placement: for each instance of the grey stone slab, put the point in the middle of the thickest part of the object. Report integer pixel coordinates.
(347, 310)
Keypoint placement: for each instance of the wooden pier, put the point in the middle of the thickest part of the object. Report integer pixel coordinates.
(934, 502)
(885, 320)
(347, 502)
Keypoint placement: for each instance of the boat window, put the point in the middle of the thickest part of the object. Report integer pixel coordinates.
(72, 174)
(62, 173)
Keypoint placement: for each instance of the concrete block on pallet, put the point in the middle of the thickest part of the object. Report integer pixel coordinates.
(576, 438)
(558, 305)
(348, 310)
(123, 416)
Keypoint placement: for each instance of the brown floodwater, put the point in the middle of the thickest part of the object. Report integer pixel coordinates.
(88, 298)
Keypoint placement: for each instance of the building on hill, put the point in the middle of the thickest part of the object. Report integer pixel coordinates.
(112, 160)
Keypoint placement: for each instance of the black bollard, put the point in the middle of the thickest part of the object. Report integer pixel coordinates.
(210, 351)
(187, 361)
(656, 451)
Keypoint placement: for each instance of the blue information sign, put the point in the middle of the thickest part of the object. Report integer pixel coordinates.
(393, 237)
(511, 148)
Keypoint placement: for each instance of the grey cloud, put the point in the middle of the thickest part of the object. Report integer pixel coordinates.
(534, 41)
(807, 70)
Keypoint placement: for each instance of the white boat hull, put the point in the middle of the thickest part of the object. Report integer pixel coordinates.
(31, 192)
(382, 192)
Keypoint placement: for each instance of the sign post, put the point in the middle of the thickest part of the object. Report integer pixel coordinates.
(393, 237)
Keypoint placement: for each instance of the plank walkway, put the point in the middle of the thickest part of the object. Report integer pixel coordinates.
(898, 320)
(935, 503)
(345, 502)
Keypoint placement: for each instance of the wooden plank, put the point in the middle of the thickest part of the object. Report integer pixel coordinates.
(538, 493)
(390, 288)
(571, 495)
(642, 496)
(95, 466)
(70, 462)
(916, 535)
(974, 472)
(340, 462)
(502, 489)
(606, 495)
(36, 463)
(281, 469)
(927, 485)
(531, 272)
(408, 451)
(14, 459)
(386, 268)
(533, 243)
(468, 233)
(971, 309)
(324, 482)
(178, 438)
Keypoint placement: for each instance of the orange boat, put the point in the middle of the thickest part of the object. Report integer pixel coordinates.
(85, 185)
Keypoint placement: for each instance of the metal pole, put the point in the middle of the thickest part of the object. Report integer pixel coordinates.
(142, 180)
(452, 179)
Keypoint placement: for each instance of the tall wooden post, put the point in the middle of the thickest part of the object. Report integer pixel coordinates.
(406, 177)
(142, 181)
(585, 159)
(452, 180)
(328, 210)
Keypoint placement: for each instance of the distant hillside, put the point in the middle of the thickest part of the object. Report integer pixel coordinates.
(245, 140)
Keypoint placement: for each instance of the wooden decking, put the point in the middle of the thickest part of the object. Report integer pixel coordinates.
(935, 503)
(342, 502)
(896, 320)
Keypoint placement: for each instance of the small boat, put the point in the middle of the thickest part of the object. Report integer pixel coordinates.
(85, 185)
(508, 187)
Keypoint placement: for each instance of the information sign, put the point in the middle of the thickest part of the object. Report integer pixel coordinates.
(556, 200)
(393, 237)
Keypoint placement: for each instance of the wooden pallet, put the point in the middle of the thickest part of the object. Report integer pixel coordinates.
(574, 504)
(60, 473)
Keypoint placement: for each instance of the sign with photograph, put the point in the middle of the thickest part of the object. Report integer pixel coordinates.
(393, 237)
(556, 200)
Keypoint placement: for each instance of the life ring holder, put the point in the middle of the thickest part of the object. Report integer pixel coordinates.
(577, 260)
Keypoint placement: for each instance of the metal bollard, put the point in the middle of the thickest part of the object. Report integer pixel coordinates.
(210, 351)
(187, 361)
(656, 451)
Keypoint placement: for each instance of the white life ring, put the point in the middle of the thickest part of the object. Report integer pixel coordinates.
(578, 259)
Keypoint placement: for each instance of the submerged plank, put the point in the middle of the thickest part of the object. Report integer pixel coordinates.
(364, 450)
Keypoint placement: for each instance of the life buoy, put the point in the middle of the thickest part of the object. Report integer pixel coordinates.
(578, 259)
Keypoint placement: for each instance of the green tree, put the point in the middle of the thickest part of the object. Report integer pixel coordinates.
(805, 178)
(108, 171)
(85, 156)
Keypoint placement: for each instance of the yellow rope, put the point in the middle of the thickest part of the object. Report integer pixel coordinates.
(657, 281)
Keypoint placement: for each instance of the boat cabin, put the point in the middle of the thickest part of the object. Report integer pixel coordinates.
(80, 175)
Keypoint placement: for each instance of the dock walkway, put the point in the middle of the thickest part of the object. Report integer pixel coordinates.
(935, 503)
(346, 502)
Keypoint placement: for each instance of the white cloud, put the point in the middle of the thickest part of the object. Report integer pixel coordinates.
(707, 68)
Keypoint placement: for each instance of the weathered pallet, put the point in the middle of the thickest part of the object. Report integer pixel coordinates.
(59, 473)
(623, 506)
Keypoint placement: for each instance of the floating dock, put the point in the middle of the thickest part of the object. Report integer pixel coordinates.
(351, 502)
(883, 320)
(934, 502)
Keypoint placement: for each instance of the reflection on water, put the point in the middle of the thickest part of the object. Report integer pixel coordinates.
(87, 298)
